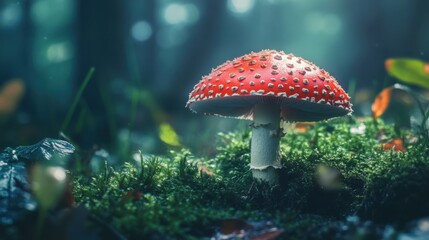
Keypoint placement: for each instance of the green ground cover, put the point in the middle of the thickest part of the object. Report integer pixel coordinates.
(337, 181)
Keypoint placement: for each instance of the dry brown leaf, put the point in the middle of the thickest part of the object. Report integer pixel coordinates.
(10, 95)
(395, 144)
(205, 170)
(303, 127)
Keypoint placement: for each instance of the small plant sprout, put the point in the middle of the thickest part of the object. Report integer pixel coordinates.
(266, 87)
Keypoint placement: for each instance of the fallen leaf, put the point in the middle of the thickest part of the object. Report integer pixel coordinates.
(205, 170)
(16, 200)
(268, 235)
(56, 151)
(237, 228)
(407, 70)
(10, 95)
(303, 127)
(381, 102)
(395, 144)
(168, 135)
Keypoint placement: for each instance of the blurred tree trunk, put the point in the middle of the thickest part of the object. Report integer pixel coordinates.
(101, 45)
(193, 53)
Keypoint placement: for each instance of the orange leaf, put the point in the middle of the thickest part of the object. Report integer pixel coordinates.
(426, 68)
(10, 96)
(388, 64)
(303, 127)
(395, 144)
(381, 102)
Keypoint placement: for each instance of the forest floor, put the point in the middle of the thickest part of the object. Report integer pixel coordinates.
(346, 178)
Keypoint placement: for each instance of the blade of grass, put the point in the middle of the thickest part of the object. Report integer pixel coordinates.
(79, 93)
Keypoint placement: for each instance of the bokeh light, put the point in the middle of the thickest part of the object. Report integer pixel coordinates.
(176, 13)
(240, 6)
(58, 52)
(325, 23)
(10, 15)
(141, 31)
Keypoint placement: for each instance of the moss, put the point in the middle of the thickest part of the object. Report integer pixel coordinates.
(170, 197)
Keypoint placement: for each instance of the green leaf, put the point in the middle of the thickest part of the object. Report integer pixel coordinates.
(407, 70)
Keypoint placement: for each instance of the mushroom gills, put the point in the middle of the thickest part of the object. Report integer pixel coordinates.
(292, 109)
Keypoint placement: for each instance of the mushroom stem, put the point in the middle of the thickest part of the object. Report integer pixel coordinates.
(264, 151)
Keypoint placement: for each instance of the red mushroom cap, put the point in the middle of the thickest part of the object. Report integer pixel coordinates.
(303, 91)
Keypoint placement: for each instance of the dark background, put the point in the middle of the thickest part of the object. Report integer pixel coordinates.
(148, 54)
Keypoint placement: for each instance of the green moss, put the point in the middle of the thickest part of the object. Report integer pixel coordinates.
(170, 197)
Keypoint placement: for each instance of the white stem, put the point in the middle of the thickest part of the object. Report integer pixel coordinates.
(264, 152)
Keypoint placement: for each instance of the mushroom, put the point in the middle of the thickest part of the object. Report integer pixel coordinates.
(266, 87)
